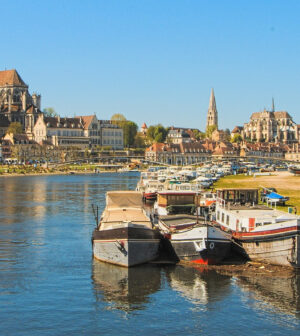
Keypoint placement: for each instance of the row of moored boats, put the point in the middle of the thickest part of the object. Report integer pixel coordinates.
(192, 224)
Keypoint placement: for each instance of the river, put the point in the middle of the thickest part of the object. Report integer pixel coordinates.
(50, 284)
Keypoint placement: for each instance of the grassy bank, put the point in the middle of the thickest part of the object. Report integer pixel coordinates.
(285, 183)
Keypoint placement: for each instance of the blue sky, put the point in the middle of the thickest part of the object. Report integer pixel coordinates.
(156, 61)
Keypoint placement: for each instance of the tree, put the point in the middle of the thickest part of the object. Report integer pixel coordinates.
(139, 141)
(209, 130)
(118, 119)
(198, 135)
(228, 135)
(15, 128)
(129, 131)
(157, 133)
(160, 133)
(150, 133)
(237, 138)
(49, 112)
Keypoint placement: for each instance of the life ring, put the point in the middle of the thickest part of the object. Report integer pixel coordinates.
(212, 245)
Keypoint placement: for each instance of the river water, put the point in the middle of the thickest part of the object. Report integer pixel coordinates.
(50, 284)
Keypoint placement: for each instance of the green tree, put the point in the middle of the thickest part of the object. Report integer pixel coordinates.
(237, 138)
(15, 128)
(49, 112)
(150, 133)
(198, 135)
(157, 133)
(118, 119)
(160, 133)
(139, 141)
(209, 130)
(129, 130)
(228, 134)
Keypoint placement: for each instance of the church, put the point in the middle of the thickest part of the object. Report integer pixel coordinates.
(271, 126)
(16, 103)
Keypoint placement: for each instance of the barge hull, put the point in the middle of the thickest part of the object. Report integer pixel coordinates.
(126, 253)
(212, 253)
(283, 250)
(126, 246)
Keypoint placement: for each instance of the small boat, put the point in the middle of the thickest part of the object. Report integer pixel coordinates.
(125, 234)
(295, 170)
(264, 234)
(195, 240)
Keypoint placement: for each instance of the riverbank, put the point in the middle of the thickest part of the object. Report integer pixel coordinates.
(286, 184)
(6, 171)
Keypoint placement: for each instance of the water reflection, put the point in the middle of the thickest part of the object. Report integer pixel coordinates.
(273, 293)
(199, 285)
(123, 288)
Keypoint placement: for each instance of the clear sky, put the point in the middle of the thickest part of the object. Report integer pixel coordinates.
(156, 60)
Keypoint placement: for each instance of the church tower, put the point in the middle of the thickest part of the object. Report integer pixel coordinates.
(212, 114)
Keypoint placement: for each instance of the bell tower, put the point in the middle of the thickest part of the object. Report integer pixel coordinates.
(212, 113)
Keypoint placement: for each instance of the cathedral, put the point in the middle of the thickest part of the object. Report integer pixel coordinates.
(271, 126)
(16, 103)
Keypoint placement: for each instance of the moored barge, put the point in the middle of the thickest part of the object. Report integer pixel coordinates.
(264, 234)
(125, 235)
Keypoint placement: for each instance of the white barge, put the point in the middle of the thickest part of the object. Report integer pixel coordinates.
(264, 234)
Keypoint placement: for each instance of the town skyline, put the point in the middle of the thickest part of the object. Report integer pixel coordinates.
(153, 60)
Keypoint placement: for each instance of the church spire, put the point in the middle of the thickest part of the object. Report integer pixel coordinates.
(273, 105)
(212, 114)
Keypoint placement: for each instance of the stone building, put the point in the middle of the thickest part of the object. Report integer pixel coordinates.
(178, 136)
(16, 103)
(220, 135)
(111, 134)
(20, 147)
(225, 150)
(63, 132)
(263, 150)
(271, 126)
(81, 132)
(212, 113)
(177, 154)
(91, 129)
(236, 130)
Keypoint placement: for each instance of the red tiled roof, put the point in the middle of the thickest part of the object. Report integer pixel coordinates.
(156, 147)
(86, 120)
(11, 77)
(237, 129)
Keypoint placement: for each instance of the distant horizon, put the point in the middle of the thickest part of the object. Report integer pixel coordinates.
(157, 61)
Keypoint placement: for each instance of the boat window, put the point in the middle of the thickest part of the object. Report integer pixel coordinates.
(227, 219)
(223, 217)
(258, 224)
(218, 215)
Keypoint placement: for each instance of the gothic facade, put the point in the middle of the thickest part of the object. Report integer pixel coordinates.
(16, 103)
(271, 126)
